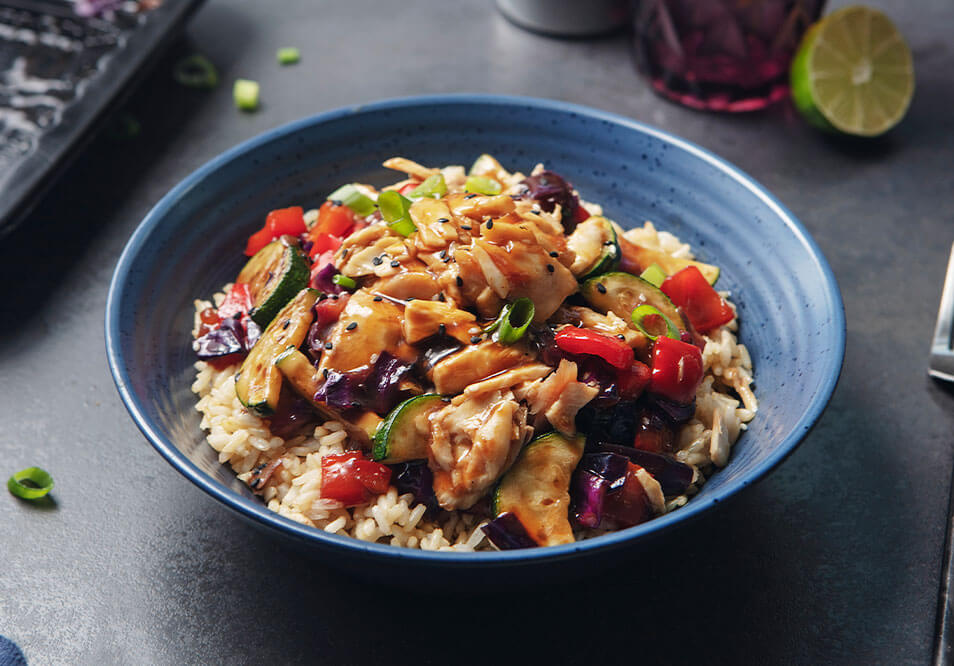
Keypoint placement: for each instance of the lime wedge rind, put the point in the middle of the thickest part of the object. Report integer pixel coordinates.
(853, 73)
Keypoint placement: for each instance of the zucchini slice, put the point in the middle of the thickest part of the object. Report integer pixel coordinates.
(404, 433)
(596, 246)
(537, 488)
(306, 379)
(646, 257)
(274, 275)
(622, 293)
(258, 382)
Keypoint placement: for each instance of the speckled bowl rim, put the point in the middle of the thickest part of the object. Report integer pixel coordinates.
(259, 513)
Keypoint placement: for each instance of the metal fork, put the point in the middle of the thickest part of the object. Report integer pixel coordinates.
(941, 365)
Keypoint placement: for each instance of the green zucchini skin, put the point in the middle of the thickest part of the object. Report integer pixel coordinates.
(596, 244)
(537, 488)
(259, 383)
(621, 293)
(274, 275)
(400, 437)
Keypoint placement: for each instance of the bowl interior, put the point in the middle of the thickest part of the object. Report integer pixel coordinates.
(192, 242)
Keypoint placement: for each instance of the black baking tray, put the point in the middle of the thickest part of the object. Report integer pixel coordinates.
(60, 75)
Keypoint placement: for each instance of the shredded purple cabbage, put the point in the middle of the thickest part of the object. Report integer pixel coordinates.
(231, 336)
(416, 478)
(672, 412)
(322, 279)
(376, 388)
(508, 533)
(613, 423)
(292, 413)
(595, 476)
(549, 189)
(673, 476)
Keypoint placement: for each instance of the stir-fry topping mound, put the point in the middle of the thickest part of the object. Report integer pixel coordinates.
(449, 318)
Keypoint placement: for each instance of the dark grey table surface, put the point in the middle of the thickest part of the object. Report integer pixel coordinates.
(835, 558)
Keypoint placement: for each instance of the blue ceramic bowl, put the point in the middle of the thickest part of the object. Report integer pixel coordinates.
(191, 243)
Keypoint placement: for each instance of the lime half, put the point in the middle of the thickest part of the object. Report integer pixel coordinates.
(853, 73)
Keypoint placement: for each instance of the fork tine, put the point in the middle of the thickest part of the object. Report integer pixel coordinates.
(945, 313)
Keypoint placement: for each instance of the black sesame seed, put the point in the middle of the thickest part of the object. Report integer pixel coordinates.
(350, 327)
(447, 260)
(322, 297)
(621, 336)
(460, 281)
(344, 253)
(285, 325)
(554, 254)
(325, 373)
(607, 243)
(441, 297)
(409, 299)
(536, 212)
(328, 345)
(490, 224)
(377, 261)
(378, 299)
(600, 287)
(470, 196)
(516, 197)
(442, 329)
(334, 297)
(335, 202)
(465, 227)
(443, 253)
(550, 268)
(443, 220)
(395, 263)
(356, 404)
(475, 339)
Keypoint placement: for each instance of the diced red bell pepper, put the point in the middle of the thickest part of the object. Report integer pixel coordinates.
(352, 479)
(580, 214)
(628, 505)
(325, 243)
(676, 371)
(237, 302)
(584, 341)
(407, 188)
(279, 222)
(334, 219)
(652, 435)
(329, 310)
(699, 301)
(633, 380)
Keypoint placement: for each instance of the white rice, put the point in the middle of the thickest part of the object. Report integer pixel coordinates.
(724, 404)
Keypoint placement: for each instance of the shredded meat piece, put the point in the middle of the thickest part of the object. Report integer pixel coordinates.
(474, 440)
(476, 362)
(559, 397)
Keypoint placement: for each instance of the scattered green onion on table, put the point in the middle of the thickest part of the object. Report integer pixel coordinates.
(38, 483)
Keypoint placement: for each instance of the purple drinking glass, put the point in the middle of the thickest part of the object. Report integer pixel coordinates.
(720, 55)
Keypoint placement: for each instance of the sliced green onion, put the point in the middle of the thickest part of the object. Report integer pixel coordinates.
(433, 186)
(513, 320)
(344, 281)
(654, 275)
(245, 93)
(196, 71)
(288, 55)
(639, 319)
(394, 210)
(482, 185)
(39, 483)
(351, 197)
